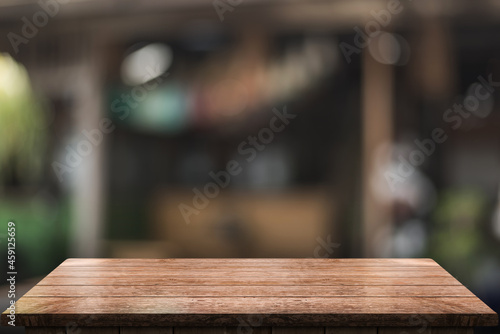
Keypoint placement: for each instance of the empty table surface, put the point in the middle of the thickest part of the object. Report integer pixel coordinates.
(273, 292)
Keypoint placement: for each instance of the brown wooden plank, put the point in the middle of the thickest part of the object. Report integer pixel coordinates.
(98, 330)
(249, 291)
(285, 263)
(189, 280)
(425, 330)
(77, 330)
(333, 311)
(243, 274)
(200, 330)
(222, 330)
(146, 330)
(298, 330)
(45, 330)
(317, 267)
(250, 305)
(248, 271)
(277, 292)
(351, 330)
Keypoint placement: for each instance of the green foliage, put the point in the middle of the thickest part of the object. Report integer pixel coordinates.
(41, 233)
(457, 237)
(22, 122)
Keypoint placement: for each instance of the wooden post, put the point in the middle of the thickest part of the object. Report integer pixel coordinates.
(377, 122)
(88, 188)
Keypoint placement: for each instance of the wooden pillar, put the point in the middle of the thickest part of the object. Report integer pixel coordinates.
(377, 123)
(88, 187)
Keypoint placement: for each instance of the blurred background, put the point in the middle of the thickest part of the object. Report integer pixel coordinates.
(337, 128)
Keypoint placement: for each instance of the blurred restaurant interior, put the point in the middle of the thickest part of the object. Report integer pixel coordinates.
(231, 128)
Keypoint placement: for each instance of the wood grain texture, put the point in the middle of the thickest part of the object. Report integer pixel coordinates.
(298, 330)
(451, 306)
(249, 291)
(231, 280)
(345, 272)
(146, 330)
(81, 330)
(340, 311)
(97, 330)
(351, 330)
(425, 330)
(284, 263)
(200, 330)
(45, 330)
(222, 330)
(277, 292)
(207, 269)
(242, 329)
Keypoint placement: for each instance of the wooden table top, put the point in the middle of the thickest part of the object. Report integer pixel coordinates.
(219, 292)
